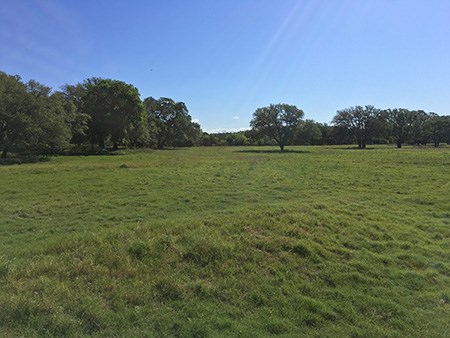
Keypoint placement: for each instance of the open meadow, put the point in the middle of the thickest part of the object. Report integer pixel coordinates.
(228, 241)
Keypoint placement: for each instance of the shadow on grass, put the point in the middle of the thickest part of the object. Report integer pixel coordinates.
(171, 149)
(273, 151)
(355, 148)
(23, 160)
(93, 153)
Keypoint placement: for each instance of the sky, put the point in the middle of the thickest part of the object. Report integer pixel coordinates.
(226, 58)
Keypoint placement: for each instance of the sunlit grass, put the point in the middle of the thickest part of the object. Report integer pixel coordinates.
(321, 241)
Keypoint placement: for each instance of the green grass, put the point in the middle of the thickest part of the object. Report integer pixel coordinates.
(320, 241)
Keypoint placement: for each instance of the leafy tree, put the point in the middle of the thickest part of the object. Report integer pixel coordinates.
(326, 131)
(186, 133)
(237, 139)
(308, 132)
(278, 121)
(341, 135)
(31, 118)
(139, 133)
(16, 124)
(114, 108)
(52, 115)
(208, 140)
(401, 122)
(173, 124)
(421, 128)
(78, 120)
(363, 123)
(445, 120)
(439, 129)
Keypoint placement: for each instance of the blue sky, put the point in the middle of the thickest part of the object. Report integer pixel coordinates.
(225, 58)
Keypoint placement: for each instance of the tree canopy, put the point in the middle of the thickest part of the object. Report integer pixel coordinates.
(172, 122)
(31, 118)
(363, 123)
(277, 121)
(401, 121)
(114, 108)
(308, 133)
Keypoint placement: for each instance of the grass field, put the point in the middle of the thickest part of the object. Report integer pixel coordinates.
(317, 241)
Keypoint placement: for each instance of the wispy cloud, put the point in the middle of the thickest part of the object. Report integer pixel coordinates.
(222, 130)
(235, 117)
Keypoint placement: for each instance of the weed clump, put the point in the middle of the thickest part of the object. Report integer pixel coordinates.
(139, 250)
(301, 250)
(166, 290)
(204, 253)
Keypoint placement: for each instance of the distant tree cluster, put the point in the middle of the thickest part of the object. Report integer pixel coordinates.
(97, 113)
(368, 125)
(284, 125)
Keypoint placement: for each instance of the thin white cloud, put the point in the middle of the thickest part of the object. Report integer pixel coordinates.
(222, 130)
(235, 117)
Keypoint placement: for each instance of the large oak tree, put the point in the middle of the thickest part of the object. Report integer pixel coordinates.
(364, 123)
(114, 107)
(32, 119)
(171, 123)
(277, 121)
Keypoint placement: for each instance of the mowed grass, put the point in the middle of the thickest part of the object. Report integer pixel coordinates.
(318, 241)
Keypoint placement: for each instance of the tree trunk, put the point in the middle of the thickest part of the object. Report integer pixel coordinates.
(160, 140)
(282, 147)
(4, 152)
(115, 145)
(399, 144)
(436, 144)
(101, 143)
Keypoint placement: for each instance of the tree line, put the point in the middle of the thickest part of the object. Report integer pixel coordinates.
(282, 124)
(89, 116)
(368, 125)
(99, 114)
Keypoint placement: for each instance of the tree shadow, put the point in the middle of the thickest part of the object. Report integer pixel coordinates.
(172, 149)
(118, 152)
(93, 153)
(354, 148)
(23, 160)
(273, 151)
(88, 151)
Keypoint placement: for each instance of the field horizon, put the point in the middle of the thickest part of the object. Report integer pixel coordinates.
(228, 241)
